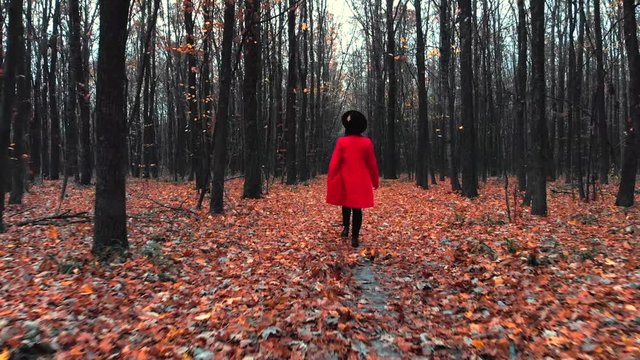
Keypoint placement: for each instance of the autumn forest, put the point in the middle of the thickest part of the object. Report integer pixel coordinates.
(165, 168)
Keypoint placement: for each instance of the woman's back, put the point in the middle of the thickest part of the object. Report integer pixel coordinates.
(354, 169)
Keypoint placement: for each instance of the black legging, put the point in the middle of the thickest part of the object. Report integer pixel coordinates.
(357, 219)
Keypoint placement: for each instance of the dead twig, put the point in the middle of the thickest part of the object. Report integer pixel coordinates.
(21, 212)
(52, 219)
(174, 208)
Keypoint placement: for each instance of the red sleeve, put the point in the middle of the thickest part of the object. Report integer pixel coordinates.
(372, 165)
(336, 160)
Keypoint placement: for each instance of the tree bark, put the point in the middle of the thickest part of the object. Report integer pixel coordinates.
(253, 61)
(378, 65)
(539, 142)
(447, 71)
(21, 119)
(110, 227)
(221, 129)
(71, 120)
(521, 92)
(292, 83)
(80, 89)
(469, 172)
(35, 124)
(390, 150)
(54, 151)
(423, 151)
(303, 166)
(600, 114)
(192, 98)
(625, 195)
(11, 63)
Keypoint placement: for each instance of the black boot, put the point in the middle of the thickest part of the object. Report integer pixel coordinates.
(346, 215)
(357, 223)
(345, 232)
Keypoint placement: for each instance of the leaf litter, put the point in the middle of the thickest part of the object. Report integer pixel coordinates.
(437, 276)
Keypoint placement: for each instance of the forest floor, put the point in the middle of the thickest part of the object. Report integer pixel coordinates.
(436, 276)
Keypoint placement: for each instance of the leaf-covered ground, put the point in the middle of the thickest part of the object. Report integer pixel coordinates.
(437, 276)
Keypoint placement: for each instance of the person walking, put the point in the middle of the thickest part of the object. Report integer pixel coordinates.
(353, 174)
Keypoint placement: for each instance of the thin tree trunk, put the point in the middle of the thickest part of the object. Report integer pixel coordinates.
(79, 88)
(390, 151)
(54, 151)
(20, 121)
(253, 61)
(577, 101)
(625, 195)
(469, 148)
(192, 98)
(521, 90)
(447, 71)
(292, 83)
(539, 123)
(378, 63)
(221, 129)
(423, 152)
(599, 106)
(11, 64)
(303, 166)
(35, 125)
(71, 120)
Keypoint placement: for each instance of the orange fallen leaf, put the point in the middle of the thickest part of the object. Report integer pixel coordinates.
(53, 233)
(86, 289)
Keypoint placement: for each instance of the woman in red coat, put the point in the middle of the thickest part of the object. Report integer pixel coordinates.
(353, 173)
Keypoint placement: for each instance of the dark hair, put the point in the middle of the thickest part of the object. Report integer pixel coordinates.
(354, 122)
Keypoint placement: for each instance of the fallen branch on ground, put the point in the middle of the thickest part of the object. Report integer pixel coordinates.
(66, 216)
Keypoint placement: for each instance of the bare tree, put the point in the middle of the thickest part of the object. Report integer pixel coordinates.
(625, 195)
(221, 129)
(110, 227)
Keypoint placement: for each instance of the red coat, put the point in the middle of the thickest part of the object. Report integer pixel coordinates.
(353, 173)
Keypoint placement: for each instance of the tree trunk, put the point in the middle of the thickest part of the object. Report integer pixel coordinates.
(11, 63)
(447, 73)
(279, 138)
(71, 120)
(192, 98)
(423, 152)
(35, 124)
(79, 88)
(54, 151)
(222, 124)
(469, 173)
(539, 141)
(303, 166)
(292, 83)
(253, 61)
(601, 115)
(378, 64)
(21, 119)
(577, 101)
(110, 227)
(625, 195)
(206, 114)
(562, 124)
(521, 92)
(390, 151)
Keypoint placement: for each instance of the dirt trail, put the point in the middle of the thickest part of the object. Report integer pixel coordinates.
(374, 300)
